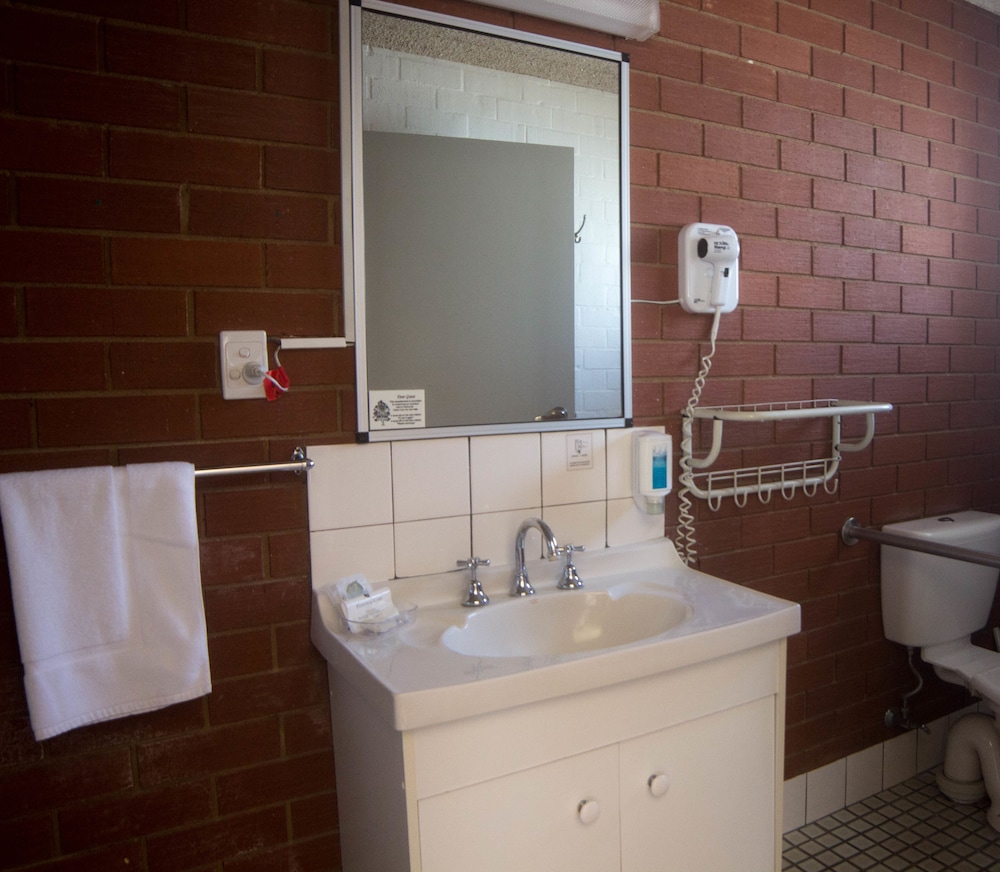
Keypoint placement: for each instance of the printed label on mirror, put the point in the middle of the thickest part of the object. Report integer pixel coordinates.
(396, 410)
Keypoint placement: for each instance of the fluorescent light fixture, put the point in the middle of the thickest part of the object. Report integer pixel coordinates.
(635, 19)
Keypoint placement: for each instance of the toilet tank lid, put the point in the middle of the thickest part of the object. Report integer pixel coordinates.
(953, 527)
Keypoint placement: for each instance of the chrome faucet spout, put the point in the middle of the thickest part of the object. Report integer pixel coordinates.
(521, 586)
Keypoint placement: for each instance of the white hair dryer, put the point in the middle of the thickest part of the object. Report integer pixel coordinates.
(708, 268)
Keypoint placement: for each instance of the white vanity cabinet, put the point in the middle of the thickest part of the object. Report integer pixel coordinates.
(559, 816)
(679, 771)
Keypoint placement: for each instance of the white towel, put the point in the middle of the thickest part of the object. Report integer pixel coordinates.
(106, 583)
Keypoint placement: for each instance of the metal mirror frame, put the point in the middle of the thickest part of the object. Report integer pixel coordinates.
(353, 218)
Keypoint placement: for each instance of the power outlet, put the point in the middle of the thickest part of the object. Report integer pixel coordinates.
(243, 362)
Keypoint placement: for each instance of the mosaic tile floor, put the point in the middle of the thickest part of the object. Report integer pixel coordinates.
(912, 826)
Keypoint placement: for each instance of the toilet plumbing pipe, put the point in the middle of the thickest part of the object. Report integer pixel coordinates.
(852, 531)
(972, 758)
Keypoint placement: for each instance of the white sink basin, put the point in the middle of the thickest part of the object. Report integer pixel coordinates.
(565, 622)
(642, 612)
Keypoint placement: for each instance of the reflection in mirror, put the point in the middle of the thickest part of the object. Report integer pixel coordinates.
(488, 178)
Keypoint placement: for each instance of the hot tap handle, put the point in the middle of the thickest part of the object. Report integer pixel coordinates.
(568, 551)
(570, 578)
(475, 596)
(473, 563)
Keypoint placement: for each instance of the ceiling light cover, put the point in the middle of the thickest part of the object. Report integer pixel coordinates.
(635, 19)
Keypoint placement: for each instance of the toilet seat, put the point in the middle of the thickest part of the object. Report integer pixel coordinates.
(966, 664)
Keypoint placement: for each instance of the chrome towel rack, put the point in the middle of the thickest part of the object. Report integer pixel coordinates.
(852, 532)
(787, 478)
(297, 464)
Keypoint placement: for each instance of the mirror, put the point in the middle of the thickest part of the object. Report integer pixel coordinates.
(486, 232)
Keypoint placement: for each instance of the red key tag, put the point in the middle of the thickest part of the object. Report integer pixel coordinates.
(276, 383)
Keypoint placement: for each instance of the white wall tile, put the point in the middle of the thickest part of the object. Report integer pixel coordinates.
(900, 759)
(493, 534)
(794, 805)
(930, 746)
(506, 472)
(336, 553)
(350, 486)
(466, 481)
(864, 774)
(430, 479)
(427, 547)
(619, 451)
(825, 790)
(561, 485)
(579, 524)
(628, 524)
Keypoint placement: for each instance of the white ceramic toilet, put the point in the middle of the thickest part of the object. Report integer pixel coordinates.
(935, 603)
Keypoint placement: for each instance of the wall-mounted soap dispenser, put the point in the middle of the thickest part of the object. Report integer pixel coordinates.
(651, 474)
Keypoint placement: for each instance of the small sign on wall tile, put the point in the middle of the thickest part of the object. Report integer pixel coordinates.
(579, 451)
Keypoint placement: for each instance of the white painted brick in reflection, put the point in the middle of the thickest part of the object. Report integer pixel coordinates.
(502, 131)
(602, 188)
(436, 74)
(380, 65)
(593, 380)
(595, 146)
(598, 401)
(596, 358)
(551, 94)
(432, 122)
(543, 136)
(589, 125)
(592, 337)
(602, 103)
(459, 102)
(529, 115)
(405, 94)
(589, 167)
(493, 84)
(385, 117)
(598, 317)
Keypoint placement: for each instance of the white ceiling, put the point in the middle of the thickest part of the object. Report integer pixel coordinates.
(992, 5)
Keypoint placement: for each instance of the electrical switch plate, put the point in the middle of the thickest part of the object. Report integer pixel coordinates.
(243, 362)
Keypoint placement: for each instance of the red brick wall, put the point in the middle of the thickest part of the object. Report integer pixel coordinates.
(170, 169)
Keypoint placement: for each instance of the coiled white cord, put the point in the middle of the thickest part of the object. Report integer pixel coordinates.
(685, 541)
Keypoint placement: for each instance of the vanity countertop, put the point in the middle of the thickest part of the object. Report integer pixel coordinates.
(413, 680)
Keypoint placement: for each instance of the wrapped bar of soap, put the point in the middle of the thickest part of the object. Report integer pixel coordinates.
(370, 614)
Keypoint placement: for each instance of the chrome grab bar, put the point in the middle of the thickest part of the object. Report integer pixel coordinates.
(852, 532)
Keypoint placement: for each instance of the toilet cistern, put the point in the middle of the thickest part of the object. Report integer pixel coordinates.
(521, 586)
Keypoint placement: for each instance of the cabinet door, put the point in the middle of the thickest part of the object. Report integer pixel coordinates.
(529, 821)
(715, 808)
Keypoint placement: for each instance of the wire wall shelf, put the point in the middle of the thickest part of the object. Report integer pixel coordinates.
(786, 478)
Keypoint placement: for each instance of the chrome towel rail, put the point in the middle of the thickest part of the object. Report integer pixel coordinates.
(852, 532)
(297, 464)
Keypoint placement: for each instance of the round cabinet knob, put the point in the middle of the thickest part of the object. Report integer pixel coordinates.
(658, 783)
(589, 810)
